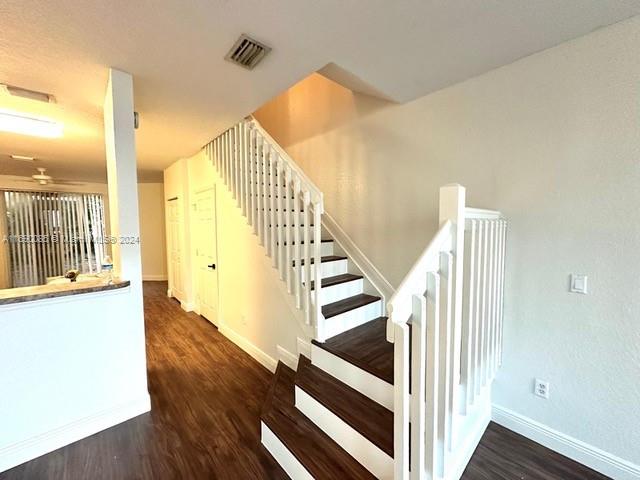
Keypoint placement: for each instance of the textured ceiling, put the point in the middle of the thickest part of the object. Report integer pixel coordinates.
(186, 93)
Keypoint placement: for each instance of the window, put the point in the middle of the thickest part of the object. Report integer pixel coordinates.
(49, 233)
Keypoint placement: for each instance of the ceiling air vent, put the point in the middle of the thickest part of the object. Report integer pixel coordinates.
(247, 52)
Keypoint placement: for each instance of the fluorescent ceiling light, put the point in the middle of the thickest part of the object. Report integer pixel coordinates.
(24, 124)
(22, 158)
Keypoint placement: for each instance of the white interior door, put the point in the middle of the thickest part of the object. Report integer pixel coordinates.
(206, 254)
(174, 227)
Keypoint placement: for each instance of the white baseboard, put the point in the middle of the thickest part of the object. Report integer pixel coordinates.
(581, 452)
(267, 361)
(188, 306)
(304, 347)
(154, 278)
(358, 257)
(288, 358)
(34, 447)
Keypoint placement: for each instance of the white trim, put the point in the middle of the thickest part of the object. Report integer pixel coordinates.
(304, 347)
(18, 453)
(188, 306)
(589, 455)
(369, 385)
(154, 278)
(481, 214)
(283, 456)
(267, 361)
(288, 358)
(356, 255)
(470, 429)
(355, 444)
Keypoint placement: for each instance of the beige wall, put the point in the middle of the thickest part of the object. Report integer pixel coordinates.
(255, 309)
(553, 141)
(152, 231)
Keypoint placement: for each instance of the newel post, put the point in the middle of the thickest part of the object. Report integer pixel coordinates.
(452, 208)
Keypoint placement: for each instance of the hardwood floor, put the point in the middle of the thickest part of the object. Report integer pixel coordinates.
(204, 424)
(207, 396)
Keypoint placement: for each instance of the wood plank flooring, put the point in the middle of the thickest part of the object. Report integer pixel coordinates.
(207, 396)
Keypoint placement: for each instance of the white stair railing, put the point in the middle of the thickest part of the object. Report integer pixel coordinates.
(455, 340)
(281, 204)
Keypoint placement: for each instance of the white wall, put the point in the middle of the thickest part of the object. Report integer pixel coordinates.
(152, 231)
(553, 141)
(255, 310)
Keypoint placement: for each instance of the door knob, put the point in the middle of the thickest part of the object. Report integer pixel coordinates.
(212, 266)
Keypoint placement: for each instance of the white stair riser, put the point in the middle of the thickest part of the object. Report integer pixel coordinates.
(369, 385)
(351, 319)
(340, 292)
(329, 269)
(370, 456)
(283, 456)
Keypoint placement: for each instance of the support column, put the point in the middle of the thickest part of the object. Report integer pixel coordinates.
(120, 148)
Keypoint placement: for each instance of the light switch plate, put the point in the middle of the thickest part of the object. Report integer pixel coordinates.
(578, 283)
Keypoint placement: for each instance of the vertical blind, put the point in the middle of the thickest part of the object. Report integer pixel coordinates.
(50, 233)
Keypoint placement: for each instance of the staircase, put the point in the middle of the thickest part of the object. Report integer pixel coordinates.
(348, 411)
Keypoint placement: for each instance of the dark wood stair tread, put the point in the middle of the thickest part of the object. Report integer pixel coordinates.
(364, 415)
(337, 280)
(314, 449)
(325, 259)
(351, 303)
(366, 347)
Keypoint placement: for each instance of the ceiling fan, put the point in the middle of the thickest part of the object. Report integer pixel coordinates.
(43, 179)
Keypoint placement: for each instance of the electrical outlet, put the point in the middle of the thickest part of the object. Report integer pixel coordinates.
(541, 388)
(243, 319)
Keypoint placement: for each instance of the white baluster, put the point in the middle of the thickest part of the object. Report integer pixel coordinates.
(288, 219)
(234, 164)
(317, 256)
(246, 168)
(418, 398)
(260, 189)
(478, 308)
(485, 304)
(274, 193)
(251, 177)
(496, 294)
(501, 300)
(297, 258)
(433, 369)
(490, 304)
(447, 349)
(468, 372)
(240, 149)
(306, 199)
(267, 197)
(280, 218)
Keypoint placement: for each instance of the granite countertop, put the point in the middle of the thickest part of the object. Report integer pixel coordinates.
(40, 292)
